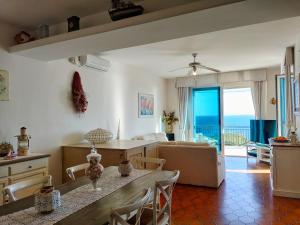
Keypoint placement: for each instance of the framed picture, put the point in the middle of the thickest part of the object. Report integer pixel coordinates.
(4, 85)
(146, 105)
(296, 93)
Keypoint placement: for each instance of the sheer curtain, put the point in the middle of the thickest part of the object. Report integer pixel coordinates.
(183, 99)
(288, 66)
(256, 91)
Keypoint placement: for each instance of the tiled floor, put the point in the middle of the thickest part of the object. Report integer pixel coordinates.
(244, 198)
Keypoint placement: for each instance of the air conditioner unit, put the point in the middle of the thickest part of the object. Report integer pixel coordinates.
(92, 62)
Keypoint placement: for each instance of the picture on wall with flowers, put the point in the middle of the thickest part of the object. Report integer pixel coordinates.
(146, 105)
(4, 85)
(169, 119)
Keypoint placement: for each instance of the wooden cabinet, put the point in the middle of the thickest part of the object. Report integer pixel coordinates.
(285, 165)
(20, 169)
(112, 153)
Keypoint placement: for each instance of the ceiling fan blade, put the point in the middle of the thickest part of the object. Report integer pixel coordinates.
(209, 68)
(179, 69)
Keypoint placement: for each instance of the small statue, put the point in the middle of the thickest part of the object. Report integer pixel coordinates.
(95, 169)
(23, 142)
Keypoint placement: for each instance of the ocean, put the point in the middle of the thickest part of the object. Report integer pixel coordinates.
(229, 120)
(238, 120)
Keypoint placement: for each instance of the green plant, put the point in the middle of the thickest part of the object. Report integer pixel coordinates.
(169, 118)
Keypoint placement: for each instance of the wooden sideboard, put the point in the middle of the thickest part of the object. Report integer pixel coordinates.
(285, 165)
(22, 168)
(112, 153)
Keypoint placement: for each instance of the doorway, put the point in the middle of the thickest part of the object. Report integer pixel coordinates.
(238, 111)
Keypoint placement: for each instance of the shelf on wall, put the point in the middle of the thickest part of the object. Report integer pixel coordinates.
(64, 45)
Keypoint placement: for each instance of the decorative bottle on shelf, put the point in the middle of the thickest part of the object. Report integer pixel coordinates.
(95, 169)
(23, 142)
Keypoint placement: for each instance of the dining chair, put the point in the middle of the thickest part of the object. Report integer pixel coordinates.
(142, 160)
(72, 170)
(161, 215)
(10, 190)
(134, 209)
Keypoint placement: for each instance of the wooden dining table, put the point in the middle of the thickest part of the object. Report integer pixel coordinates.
(99, 211)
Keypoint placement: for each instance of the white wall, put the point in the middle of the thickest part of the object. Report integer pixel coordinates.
(269, 110)
(40, 100)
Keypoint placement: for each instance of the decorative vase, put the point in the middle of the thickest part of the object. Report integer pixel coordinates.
(125, 168)
(95, 169)
(169, 128)
(47, 200)
(293, 137)
(73, 23)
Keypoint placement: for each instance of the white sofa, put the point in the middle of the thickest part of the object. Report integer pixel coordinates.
(199, 164)
(152, 137)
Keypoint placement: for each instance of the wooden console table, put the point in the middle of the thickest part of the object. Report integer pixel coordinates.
(112, 153)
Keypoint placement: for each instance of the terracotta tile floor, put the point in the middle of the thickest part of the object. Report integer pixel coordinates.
(244, 198)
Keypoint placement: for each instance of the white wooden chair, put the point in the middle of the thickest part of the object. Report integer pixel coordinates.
(161, 215)
(11, 189)
(134, 210)
(72, 170)
(142, 160)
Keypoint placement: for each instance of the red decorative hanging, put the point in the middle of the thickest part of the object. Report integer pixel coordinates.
(79, 98)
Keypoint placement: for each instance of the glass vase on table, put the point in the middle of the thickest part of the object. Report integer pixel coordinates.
(95, 169)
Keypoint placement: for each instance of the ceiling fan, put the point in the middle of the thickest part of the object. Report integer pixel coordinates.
(195, 66)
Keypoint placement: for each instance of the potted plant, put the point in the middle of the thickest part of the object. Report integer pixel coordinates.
(169, 119)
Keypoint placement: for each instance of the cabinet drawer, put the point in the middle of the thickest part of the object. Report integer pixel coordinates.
(3, 171)
(28, 166)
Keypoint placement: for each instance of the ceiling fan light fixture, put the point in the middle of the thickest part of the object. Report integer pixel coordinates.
(194, 71)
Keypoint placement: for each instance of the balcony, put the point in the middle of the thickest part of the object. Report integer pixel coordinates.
(235, 138)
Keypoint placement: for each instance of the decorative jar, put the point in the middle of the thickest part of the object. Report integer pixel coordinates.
(47, 200)
(125, 168)
(95, 169)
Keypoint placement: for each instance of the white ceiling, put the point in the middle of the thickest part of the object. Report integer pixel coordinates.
(28, 14)
(249, 47)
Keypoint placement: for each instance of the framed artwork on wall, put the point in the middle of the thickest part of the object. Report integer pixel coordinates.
(146, 105)
(4, 85)
(296, 93)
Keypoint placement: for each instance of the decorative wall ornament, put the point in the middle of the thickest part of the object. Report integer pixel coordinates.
(79, 97)
(4, 85)
(146, 105)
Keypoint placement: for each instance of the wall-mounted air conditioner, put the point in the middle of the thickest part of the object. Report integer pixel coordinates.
(91, 62)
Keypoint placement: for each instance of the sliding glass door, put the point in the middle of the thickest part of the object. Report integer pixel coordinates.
(207, 115)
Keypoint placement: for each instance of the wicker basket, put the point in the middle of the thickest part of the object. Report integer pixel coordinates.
(99, 136)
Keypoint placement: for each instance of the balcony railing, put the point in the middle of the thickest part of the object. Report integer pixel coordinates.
(237, 135)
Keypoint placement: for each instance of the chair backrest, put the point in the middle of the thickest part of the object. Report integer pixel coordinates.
(165, 189)
(71, 170)
(142, 160)
(121, 215)
(11, 189)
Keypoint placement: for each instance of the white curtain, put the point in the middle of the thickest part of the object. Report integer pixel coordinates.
(256, 91)
(183, 98)
(288, 65)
